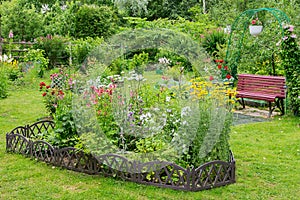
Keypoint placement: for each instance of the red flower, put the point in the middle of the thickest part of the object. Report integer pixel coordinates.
(225, 67)
(44, 94)
(211, 78)
(253, 22)
(228, 76)
(219, 66)
(48, 86)
(42, 84)
(221, 61)
(60, 92)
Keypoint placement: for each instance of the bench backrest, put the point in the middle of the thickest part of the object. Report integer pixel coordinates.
(274, 85)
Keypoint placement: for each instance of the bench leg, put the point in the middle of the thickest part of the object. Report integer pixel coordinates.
(270, 109)
(280, 105)
(243, 103)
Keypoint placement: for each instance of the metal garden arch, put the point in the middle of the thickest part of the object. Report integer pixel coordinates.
(240, 25)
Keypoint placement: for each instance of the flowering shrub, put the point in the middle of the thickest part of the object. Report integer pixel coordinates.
(58, 101)
(55, 92)
(225, 71)
(289, 55)
(256, 22)
(190, 119)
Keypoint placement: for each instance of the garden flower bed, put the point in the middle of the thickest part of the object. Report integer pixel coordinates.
(158, 173)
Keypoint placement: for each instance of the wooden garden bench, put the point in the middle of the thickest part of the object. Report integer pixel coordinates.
(258, 87)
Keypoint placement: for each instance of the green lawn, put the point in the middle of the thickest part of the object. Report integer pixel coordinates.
(267, 158)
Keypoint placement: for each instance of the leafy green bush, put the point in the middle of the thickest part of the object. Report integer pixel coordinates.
(81, 48)
(36, 57)
(95, 21)
(55, 49)
(214, 40)
(27, 27)
(290, 53)
(58, 101)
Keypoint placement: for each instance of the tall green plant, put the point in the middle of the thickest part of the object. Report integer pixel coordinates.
(290, 53)
(3, 82)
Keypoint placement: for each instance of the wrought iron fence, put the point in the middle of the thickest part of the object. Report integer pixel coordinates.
(158, 173)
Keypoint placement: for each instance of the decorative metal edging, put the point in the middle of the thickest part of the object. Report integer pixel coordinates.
(157, 173)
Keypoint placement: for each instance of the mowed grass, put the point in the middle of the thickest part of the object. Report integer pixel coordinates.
(267, 160)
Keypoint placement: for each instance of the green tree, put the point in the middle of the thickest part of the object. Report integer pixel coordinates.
(26, 24)
(95, 21)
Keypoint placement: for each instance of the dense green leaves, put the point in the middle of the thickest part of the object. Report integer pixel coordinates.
(95, 21)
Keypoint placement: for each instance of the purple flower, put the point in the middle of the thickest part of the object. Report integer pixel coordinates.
(10, 35)
(130, 114)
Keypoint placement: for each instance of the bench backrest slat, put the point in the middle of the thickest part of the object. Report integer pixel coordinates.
(274, 85)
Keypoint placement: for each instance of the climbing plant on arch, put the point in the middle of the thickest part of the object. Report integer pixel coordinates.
(272, 20)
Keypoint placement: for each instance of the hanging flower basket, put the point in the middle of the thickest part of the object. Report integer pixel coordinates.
(255, 30)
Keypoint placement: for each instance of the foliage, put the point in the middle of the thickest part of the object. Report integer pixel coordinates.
(3, 81)
(138, 62)
(36, 57)
(95, 21)
(289, 54)
(80, 48)
(213, 40)
(211, 140)
(194, 29)
(269, 163)
(58, 18)
(171, 9)
(58, 102)
(132, 7)
(27, 27)
(55, 49)
(13, 70)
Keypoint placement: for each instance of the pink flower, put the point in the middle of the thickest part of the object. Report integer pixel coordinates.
(10, 35)
(285, 38)
(291, 29)
(293, 36)
(211, 78)
(53, 76)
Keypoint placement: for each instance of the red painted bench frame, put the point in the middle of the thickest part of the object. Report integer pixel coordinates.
(268, 88)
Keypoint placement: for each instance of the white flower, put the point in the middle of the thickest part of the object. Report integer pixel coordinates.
(168, 99)
(63, 7)
(185, 111)
(45, 8)
(164, 60)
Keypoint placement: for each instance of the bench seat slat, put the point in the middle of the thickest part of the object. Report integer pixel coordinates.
(257, 96)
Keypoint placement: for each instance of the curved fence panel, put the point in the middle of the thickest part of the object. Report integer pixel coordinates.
(157, 173)
(42, 151)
